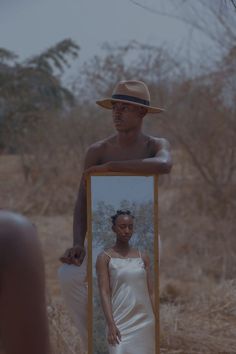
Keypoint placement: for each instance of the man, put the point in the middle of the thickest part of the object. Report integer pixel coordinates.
(129, 150)
(23, 317)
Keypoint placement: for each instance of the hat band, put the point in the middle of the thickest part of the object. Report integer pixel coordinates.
(131, 99)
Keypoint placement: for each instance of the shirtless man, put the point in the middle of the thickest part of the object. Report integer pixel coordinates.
(129, 150)
(23, 317)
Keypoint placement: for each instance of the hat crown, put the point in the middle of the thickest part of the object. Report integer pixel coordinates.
(132, 88)
(132, 92)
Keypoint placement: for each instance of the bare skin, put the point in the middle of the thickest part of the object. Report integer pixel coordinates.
(129, 150)
(124, 229)
(23, 318)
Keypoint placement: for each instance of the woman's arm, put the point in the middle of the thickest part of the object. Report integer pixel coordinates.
(147, 263)
(105, 295)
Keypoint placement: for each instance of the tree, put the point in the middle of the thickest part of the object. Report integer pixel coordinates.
(212, 18)
(31, 87)
(154, 65)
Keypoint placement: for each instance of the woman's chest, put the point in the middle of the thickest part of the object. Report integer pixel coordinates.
(126, 270)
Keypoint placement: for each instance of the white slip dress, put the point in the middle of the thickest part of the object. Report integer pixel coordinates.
(131, 306)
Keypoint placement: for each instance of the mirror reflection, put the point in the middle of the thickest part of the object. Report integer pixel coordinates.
(122, 254)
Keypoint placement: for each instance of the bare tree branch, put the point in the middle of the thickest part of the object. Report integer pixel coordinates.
(200, 20)
(233, 2)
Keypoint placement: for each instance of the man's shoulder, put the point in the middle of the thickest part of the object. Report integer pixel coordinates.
(159, 142)
(95, 152)
(101, 144)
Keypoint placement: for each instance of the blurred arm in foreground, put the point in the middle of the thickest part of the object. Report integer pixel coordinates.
(23, 318)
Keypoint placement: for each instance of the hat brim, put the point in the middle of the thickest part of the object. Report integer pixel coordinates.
(107, 103)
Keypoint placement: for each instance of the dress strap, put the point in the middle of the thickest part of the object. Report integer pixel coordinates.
(107, 254)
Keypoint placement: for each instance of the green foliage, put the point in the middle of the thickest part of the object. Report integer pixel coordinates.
(29, 89)
(7, 56)
(55, 57)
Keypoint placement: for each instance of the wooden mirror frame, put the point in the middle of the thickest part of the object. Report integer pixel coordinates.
(89, 250)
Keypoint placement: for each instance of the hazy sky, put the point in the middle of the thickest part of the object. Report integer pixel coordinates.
(30, 26)
(112, 190)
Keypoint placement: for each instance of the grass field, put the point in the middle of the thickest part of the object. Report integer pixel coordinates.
(198, 286)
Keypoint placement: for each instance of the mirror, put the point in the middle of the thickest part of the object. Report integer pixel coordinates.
(138, 311)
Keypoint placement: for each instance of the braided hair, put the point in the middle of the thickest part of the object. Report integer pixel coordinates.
(121, 212)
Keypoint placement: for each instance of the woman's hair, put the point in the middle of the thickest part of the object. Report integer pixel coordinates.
(120, 212)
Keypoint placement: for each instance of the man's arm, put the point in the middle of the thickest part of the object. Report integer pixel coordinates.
(75, 255)
(80, 215)
(80, 212)
(158, 164)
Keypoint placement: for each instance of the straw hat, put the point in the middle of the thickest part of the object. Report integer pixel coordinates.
(132, 91)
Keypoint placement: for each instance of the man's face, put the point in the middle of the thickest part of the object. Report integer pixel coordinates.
(126, 116)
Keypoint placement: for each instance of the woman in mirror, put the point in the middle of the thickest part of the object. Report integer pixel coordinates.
(126, 292)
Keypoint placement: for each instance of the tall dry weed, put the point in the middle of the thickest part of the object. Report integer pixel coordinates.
(64, 336)
(203, 324)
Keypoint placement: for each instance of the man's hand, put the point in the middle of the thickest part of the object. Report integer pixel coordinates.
(113, 335)
(74, 255)
(98, 168)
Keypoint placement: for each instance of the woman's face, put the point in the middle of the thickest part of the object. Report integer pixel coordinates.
(123, 228)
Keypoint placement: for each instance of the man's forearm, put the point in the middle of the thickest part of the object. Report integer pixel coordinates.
(152, 165)
(80, 217)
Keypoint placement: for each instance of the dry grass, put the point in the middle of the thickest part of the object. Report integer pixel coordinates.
(203, 323)
(198, 290)
(64, 336)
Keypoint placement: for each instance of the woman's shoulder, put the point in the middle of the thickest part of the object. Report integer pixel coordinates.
(145, 257)
(144, 253)
(139, 251)
(104, 255)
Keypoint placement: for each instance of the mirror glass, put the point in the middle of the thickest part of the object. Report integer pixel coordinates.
(109, 194)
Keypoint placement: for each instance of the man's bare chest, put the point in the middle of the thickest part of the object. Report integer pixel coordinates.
(116, 153)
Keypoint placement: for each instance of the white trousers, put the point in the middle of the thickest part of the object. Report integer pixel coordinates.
(74, 290)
